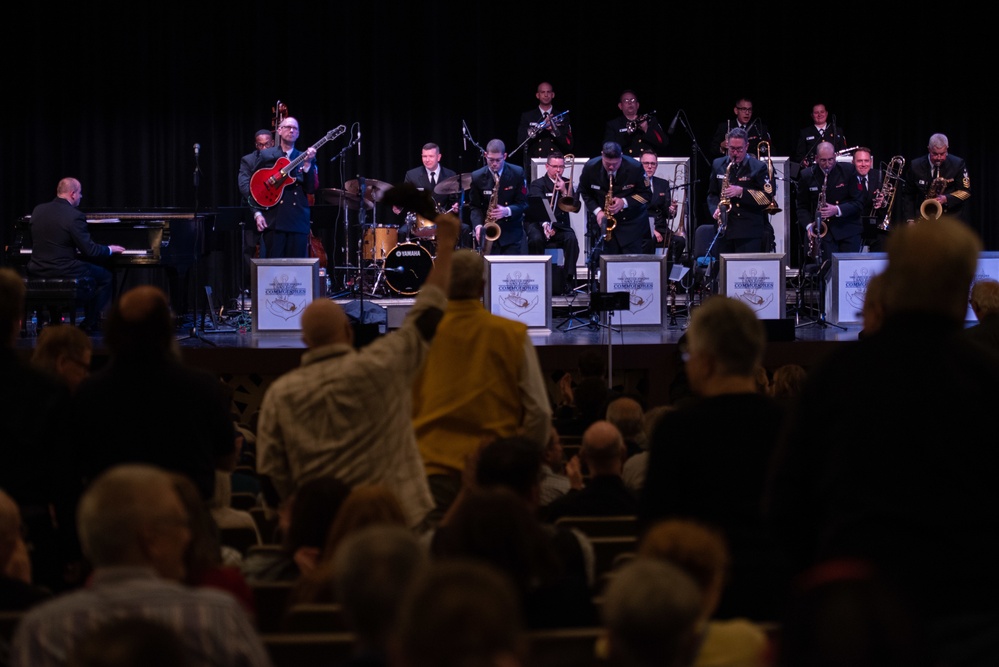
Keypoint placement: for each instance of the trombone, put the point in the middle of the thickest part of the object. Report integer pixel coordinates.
(568, 202)
(768, 186)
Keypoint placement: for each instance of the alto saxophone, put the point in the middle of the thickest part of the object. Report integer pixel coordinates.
(815, 234)
(490, 228)
(724, 202)
(610, 221)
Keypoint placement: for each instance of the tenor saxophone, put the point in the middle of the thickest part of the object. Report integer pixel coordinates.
(817, 232)
(610, 221)
(491, 229)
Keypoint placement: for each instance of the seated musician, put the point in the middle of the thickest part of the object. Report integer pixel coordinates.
(554, 230)
(62, 248)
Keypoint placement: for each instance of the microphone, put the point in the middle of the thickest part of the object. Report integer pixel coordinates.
(464, 135)
(672, 125)
(197, 149)
(358, 142)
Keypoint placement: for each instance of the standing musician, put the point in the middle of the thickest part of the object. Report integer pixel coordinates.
(544, 233)
(284, 228)
(551, 131)
(869, 185)
(426, 179)
(662, 210)
(508, 193)
(263, 140)
(950, 193)
(756, 130)
(820, 130)
(634, 132)
(627, 203)
(844, 203)
(746, 229)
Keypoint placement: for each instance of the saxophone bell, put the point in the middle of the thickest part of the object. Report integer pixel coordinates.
(491, 229)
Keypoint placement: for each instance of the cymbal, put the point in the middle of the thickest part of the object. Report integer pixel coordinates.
(452, 185)
(373, 190)
(337, 197)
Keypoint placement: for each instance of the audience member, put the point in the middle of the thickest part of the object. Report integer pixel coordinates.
(135, 532)
(628, 415)
(227, 516)
(841, 612)
(494, 526)
(319, 419)
(708, 458)
(916, 495)
(985, 304)
(375, 566)
(787, 382)
(203, 561)
(482, 379)
(636, 465)
(604, 494)
(585, 402)
(554, 482)
(873, 312)
(460, 613)
(305, 520)
(65, 352)
(132, 641)
(38, 470)
(17, 590)
(650, 615)
(147, 406)
(367, 505)
(702, 553)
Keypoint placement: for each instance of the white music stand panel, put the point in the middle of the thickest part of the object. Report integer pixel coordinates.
(519, 287)
(848, 277)
(643, 277)
(756, 279)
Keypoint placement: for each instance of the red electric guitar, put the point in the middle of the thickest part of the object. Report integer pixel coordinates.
(267, 184)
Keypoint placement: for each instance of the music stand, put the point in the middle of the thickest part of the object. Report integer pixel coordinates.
(821, 271)
(609, 303)
(592, 261)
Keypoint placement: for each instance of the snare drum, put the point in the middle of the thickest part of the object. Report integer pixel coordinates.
(379, 241)
(406, 267)
(420, 227)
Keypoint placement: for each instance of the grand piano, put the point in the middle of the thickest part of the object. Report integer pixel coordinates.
(165, 238)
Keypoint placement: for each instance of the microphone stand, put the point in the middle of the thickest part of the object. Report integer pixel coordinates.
(198, 314)
(467, 135)
(345, 248)
(695, 151)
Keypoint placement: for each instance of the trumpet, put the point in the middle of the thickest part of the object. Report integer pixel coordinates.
(768, 186)
(632, 125)
(568, 202)
(550, 122)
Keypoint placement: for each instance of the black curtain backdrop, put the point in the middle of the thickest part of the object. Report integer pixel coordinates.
(118, 97)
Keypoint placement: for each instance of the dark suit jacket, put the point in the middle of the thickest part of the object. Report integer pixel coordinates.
(917, 181)
(61, 242)
(757, 132)
(418, 177)
(542, 188)
(544, 142)
(246, 165)
(841, 189)
(630, 184)
(633, 143)
(291, 213)
(662, 197)
(512, 193)
(747, 218)
(809, 138)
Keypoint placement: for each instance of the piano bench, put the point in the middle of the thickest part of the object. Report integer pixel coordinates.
(56, 295)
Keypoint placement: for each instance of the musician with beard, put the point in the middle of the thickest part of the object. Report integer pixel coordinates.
(956, 189)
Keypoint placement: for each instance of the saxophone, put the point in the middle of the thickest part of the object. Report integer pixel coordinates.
(490, 228)
(815, 234)
(724, 202)
(610, 221)
(931, 209)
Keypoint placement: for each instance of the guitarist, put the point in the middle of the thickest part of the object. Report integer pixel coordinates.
(284, 228)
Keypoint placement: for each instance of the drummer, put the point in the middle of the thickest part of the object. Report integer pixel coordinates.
(444, 186)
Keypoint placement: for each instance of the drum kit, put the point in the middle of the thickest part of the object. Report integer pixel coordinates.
(401, 266)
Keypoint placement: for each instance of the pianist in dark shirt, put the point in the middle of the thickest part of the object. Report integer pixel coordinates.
(62, 247)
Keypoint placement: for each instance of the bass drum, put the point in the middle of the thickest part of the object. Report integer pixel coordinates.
(406, 267)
